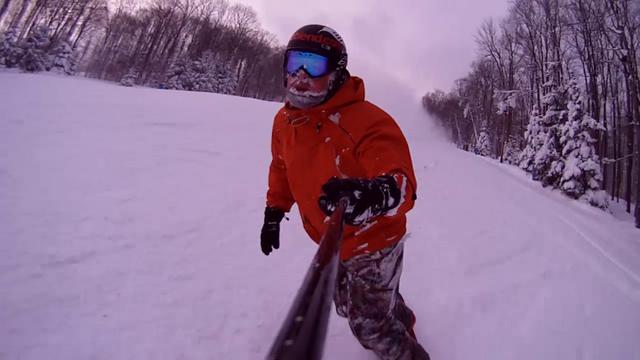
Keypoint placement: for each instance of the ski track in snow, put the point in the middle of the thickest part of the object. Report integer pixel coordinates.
(597, 247)
(129, 222)
(591, 241)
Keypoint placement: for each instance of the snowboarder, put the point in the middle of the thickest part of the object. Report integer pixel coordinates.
(328, 142)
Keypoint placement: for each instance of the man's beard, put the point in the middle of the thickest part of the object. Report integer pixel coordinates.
(305, 99)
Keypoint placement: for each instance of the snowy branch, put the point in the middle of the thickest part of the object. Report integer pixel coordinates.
(607, 161)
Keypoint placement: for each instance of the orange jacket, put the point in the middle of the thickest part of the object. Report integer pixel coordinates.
(344, 137)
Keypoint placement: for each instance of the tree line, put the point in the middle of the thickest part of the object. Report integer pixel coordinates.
(555, 89)
(198, 45)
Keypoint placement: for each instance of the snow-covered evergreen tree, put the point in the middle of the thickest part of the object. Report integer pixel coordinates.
(512, 151)
(206, 73)
(582, 175)
(483, 143)
(533, 138)
(179, 76)
(35, 48)
(506, 100)
(204, 70)
(226, 79)
(10, 51)
(62, 59)
(193, 75)
(548, 163)
(129, 79)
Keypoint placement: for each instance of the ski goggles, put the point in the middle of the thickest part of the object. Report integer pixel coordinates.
(313, 64)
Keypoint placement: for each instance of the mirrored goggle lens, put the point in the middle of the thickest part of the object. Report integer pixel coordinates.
(315, 65)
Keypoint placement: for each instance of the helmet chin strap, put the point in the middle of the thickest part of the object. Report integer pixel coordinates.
(340, 78)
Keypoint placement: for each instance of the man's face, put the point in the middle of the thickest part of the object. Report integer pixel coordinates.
(301, 83)
(309, 78)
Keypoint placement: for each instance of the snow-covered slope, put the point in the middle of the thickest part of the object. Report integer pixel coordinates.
(129, 222)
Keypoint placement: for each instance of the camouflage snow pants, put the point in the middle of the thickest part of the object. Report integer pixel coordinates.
(367, 295)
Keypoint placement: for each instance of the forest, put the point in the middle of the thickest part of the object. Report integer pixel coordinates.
(197, 45)
(555, 89)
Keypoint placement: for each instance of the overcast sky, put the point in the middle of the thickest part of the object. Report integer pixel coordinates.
(426, 44)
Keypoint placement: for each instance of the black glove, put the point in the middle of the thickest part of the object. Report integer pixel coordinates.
(368, 198)
(270, 234)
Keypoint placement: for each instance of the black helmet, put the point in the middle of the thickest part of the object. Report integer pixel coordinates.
(325, 41)
(321, 40)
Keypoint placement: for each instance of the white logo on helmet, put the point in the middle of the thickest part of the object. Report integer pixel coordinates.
(334, 34)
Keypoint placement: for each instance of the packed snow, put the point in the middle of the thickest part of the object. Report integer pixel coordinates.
(130, 220)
